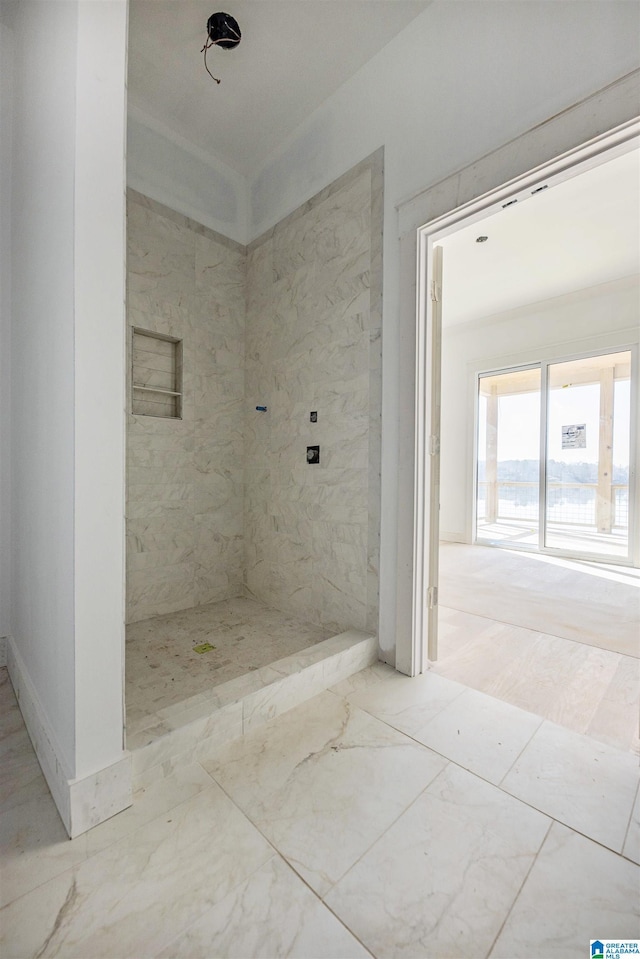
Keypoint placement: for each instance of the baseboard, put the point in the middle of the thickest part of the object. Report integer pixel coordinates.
(447, 537)
(82, 803)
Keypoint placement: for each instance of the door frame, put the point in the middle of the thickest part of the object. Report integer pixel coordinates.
(601, 149)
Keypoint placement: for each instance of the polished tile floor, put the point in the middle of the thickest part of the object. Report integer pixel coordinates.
(386, 817)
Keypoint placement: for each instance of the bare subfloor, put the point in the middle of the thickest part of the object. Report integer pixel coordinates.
(546, 635)
(163, 668)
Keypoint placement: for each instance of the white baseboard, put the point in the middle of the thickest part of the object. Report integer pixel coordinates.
(448, 537)
(82, 803)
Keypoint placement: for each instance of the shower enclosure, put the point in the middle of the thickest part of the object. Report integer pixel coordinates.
(223, 506)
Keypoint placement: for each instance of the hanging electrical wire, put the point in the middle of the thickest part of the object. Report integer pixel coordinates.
(222, 31)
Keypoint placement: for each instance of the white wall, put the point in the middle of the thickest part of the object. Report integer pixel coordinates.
(601, 317)
(99, 367)
(6, 85)
(166, 167)
(66, 612)
(42, 249)
(463, 79)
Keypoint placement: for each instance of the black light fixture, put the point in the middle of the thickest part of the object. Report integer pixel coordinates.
(222, 31)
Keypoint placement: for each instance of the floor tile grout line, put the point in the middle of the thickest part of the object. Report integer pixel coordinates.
(387, 828)
(288, 863)
(633, 804)
(523, 750)
(211, 905)
(522, 885)
(501, 787)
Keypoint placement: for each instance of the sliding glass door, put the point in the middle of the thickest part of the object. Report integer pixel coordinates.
(508, 464)
(553, 457)
(588, 461)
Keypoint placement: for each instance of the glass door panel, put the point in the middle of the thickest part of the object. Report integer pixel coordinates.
(508, 461)
(587, 456)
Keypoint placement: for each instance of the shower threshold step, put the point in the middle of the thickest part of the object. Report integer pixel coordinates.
(191, 730)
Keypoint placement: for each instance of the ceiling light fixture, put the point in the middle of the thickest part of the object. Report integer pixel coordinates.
(222, 31)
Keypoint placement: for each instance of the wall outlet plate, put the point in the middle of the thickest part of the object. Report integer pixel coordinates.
(313, 454)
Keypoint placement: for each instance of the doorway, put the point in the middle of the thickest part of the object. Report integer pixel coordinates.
(538, 506)
(553, 457)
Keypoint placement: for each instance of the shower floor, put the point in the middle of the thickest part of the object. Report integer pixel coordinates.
(162, 668)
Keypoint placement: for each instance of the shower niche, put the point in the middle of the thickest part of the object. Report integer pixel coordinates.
(156, 374)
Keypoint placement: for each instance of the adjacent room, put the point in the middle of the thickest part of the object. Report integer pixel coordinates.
(540, 589)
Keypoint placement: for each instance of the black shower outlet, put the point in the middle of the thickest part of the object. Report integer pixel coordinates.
(313, 454)
(313, 417)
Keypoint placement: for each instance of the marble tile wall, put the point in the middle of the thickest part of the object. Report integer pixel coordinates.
(223, 501)
(313, 344)
(185, 476)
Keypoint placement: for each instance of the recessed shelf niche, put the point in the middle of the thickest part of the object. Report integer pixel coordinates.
(156, 380)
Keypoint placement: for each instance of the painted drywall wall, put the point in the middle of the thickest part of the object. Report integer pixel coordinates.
(602, 317)
(42, 613)
(99, 382)
(67, 345)
(6, 92)
(167, 168)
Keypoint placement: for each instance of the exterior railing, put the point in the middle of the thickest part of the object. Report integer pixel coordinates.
(522, 503)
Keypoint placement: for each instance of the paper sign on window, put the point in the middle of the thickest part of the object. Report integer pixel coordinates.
(574, 437)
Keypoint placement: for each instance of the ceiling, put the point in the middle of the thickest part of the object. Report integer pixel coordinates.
(580, 233)
(293, 55)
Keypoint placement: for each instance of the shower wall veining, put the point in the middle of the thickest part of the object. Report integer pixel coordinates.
(185, 476)
(223, 503)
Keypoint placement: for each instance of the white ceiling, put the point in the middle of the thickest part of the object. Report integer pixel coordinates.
(580, 233)
(293, 55)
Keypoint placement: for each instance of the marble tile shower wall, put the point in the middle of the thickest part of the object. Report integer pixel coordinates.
(223, 502)
(313, 344)
(185, 477)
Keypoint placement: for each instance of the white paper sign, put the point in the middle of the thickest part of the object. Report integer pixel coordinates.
(574, 437)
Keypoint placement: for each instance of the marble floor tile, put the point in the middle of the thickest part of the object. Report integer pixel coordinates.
(406, 703)
(34, 846)
(585, 784)
(576, 891)
(441, 881)
(631, 848)
(273, 913)
(149, 802)
(135, 896)
(370, 676)
(480, 733)
(322, 782)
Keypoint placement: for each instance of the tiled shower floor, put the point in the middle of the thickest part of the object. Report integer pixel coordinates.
(162, 668)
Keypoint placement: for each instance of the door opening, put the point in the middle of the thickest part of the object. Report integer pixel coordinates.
(564, 494)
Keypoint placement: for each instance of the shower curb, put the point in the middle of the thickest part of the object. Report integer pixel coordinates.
(193, 730)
